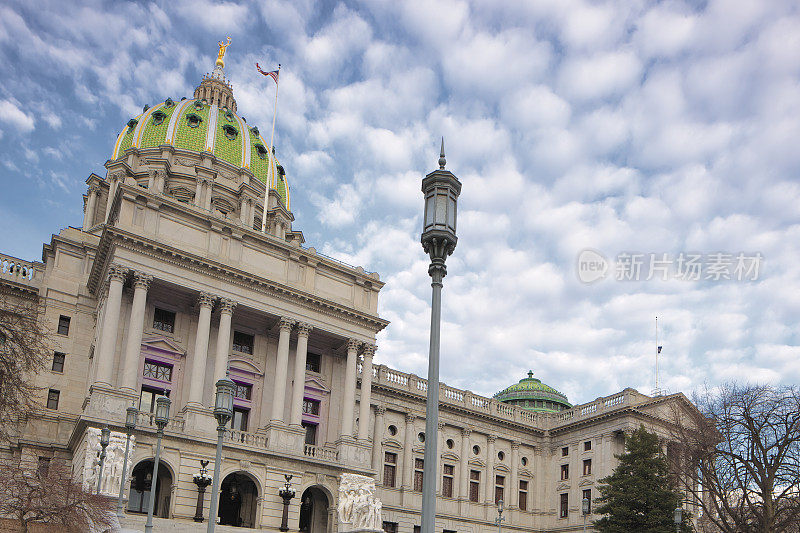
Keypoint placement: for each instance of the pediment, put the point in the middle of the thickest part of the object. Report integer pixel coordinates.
(159, 343)
(477, 462)
(245, 365)
(525, 472)
(562, 486)
(316, 383)
(450, 456)
(501, 468)
(392, 443)
(586, 482)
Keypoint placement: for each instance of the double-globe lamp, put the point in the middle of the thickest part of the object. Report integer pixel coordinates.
(105, 439)
(223, 411)
(441, 189)
(131, 414)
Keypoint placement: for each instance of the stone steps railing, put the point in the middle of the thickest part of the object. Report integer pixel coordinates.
(19, 271)
(383, 375)
(320, 452)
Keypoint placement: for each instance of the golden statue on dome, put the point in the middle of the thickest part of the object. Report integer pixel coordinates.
(222, 46)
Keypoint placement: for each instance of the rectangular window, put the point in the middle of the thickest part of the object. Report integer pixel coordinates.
(63, 325)
(587, 446)
(587, 495)
(499, 488)
(565, 451)
(523, 495)
(417, 529)
(419, 468)
(587, 467)
(311, 433)
(313, 362)
(390, 527)
(243, 391)
(239, 418)
(389, 469)
(564, 507)
(474, 485)
(564, 472)
(58, 362)
(311, 407)
(43, 467)
(157, 371)
(243, 342)
(52, 398)
(447, 480)
(164, 320)
(147, 399)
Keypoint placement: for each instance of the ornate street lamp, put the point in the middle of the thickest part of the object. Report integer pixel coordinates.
(161, 419)
(287, 493)
(130, 424)
(202, 480)
(223, 411)
(677, 517)
(500, 518)
(585, 511)
(441, 189)
(105, 438)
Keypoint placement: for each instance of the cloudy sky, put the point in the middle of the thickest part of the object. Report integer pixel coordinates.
(629, 128)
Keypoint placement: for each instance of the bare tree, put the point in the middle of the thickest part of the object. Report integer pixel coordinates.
(51, 496)
(741, 460)
(24, 351)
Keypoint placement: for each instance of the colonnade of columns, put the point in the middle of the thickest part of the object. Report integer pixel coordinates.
(129, 365)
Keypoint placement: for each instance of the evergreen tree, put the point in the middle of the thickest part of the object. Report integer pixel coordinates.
(638, 496)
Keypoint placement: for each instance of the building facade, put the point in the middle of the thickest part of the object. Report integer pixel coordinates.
(180, 274)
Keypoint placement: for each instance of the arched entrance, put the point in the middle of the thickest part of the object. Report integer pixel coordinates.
(141, 487)
(238, 499)
(314, 511)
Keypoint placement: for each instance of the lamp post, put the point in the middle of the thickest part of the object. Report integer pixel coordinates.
(287, 493)
(677, 516)
(223, 410)
(202, 480)
(500, 518)
(585, 511)
(441, 189)
(161, 419)
(130, 425)
(105, 438)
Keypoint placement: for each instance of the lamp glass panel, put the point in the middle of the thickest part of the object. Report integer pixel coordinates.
(130, 417)
(429, 210)
(441, 207)
(162, 407)
(451, 213)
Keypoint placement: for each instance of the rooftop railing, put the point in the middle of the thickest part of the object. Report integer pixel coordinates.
(19, 271)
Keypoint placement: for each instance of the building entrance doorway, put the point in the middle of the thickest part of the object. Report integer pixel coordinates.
(237, 500)
(313, 511)
(142, 486)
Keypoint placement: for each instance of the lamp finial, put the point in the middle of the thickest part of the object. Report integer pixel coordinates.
(442, 160)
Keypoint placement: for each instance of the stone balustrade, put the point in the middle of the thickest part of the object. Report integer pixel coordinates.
(387, 377)
(148, 420)
(244, 437)
(19, 271)
(321, 453)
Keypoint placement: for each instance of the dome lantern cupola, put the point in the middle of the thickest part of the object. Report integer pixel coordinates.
(214, 88)
(533, 395)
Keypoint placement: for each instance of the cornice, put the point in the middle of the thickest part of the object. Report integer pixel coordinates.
(196, 263)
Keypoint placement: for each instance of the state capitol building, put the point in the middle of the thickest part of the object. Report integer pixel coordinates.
(170, 283)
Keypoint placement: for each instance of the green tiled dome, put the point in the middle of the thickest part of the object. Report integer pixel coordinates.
(533, 395)
(194, 124)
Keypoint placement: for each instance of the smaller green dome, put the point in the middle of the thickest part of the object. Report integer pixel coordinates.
(533, 395)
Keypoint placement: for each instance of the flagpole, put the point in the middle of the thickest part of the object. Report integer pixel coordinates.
(657, 390)
(270, 172)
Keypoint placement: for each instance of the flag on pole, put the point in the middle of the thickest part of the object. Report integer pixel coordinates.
(272, 74)
(659, 349)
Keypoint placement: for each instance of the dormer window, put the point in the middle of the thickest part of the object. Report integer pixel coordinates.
(228, 115)
(169, 103)
(261, 151)
(193, 120)
(255, 131)
(158, 117)
(230, 131)
(132, 123)
(198, 105)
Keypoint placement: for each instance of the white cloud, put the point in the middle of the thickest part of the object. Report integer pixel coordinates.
(15, 117)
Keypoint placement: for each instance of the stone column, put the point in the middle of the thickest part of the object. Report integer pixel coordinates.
(207, 194)
(198, 192)
(349, 398)
(513, 488)
(377, 443)
(366, 392)
(490, 459)
(113, 183)
(465, 451)
(200, 354)
(281, 368)
(226, 308)
(299, 385)
(91, 204)
(408, 449)
(133, 346)
(108, 337)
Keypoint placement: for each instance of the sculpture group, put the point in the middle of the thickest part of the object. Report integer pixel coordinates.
(358, 505)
